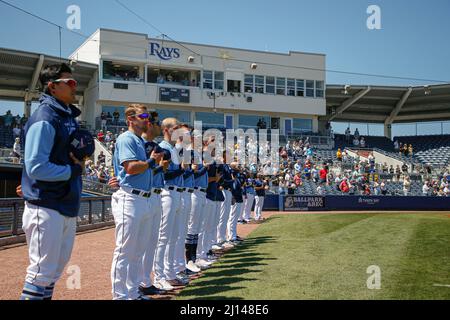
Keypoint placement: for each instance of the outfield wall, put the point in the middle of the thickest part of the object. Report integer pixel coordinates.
(353, 203)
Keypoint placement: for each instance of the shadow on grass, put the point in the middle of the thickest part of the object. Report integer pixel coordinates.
(233, 268)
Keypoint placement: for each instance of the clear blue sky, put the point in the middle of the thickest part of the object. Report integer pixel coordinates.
(413, 41)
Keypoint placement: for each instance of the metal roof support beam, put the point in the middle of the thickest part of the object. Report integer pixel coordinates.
(398, 107)
(348, 103)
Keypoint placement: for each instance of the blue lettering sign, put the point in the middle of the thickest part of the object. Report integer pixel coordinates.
(164, 53)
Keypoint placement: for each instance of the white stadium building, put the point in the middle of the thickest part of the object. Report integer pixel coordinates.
(222, 87)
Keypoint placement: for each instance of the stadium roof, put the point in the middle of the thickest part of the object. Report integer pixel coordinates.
(19, 74)
(386, 104)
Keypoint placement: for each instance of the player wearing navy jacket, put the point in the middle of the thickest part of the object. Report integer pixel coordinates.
(51, 183)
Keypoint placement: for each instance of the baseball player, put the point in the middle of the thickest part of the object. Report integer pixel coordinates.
(220, 199)
(225, 209)
(132, 205)
(198, 212)
(260, 188)
(51, 183)
(237, 204)
(249, 198)
(185, 144)
(208, 233)
(165, 273)
(147, 287)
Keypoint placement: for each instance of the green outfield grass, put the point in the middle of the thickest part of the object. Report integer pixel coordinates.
(327, 256)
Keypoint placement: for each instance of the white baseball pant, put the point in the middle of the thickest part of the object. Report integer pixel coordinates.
(259, 203)
(133, 219)
(198, 213)
(236, 210)
(50, 237)
(208, 234)
(150, 252)
(171, 205)
(180, 257)
(248, 204)
(224, 216)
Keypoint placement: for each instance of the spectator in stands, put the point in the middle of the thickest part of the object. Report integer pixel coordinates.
(16, 151)
(367, 191)
(298, 166)
(356, 133)
(343, 186)
(356, 142)
(100, 136)
(298, 180)
(385, 168)
(116, 116)
(362, 143)
(347, 135)
(406, 185)
(405, 150)
(391, 170)
(101, 159)
(109, 119)
(320, 190)
(376, 188)
(337, 181)
(108, 137)
(339, 155)
(405, 168)
(410, 150)
(323, 173)
(23, 120)
(103, 118)
(16, 131)
(315, 174)
(426, 188)
(383, 188)
(398, 172)
(8, 119)
(396, 146)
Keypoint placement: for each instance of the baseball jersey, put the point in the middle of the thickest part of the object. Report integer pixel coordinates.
(130, 147)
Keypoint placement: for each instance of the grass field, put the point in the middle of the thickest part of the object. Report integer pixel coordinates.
(327, 256)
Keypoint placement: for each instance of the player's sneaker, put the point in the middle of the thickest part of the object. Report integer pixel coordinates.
(192, 267)
(203, 264)
(217, 247)
(164, 285)
(227, 245)
(150, 291)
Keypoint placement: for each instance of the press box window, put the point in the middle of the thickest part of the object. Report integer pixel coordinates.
(121, 72)
(281, 86)
(270, 85)
(218, 80)
(319, 89)
(291, 87)
(207, 79)
(259, 84)
(300, 88)
(248, 83)
(310, 88)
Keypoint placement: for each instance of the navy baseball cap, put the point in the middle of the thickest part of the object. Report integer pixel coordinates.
(82, 144)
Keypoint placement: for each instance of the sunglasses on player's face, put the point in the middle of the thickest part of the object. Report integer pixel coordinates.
(70, 82)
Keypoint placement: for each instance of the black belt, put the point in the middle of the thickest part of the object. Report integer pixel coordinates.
(141, 193)
(157, 191)
(176, 189)
(200, 189)
(190, 190)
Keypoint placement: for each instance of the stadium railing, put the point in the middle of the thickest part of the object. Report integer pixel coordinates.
(95, 213)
